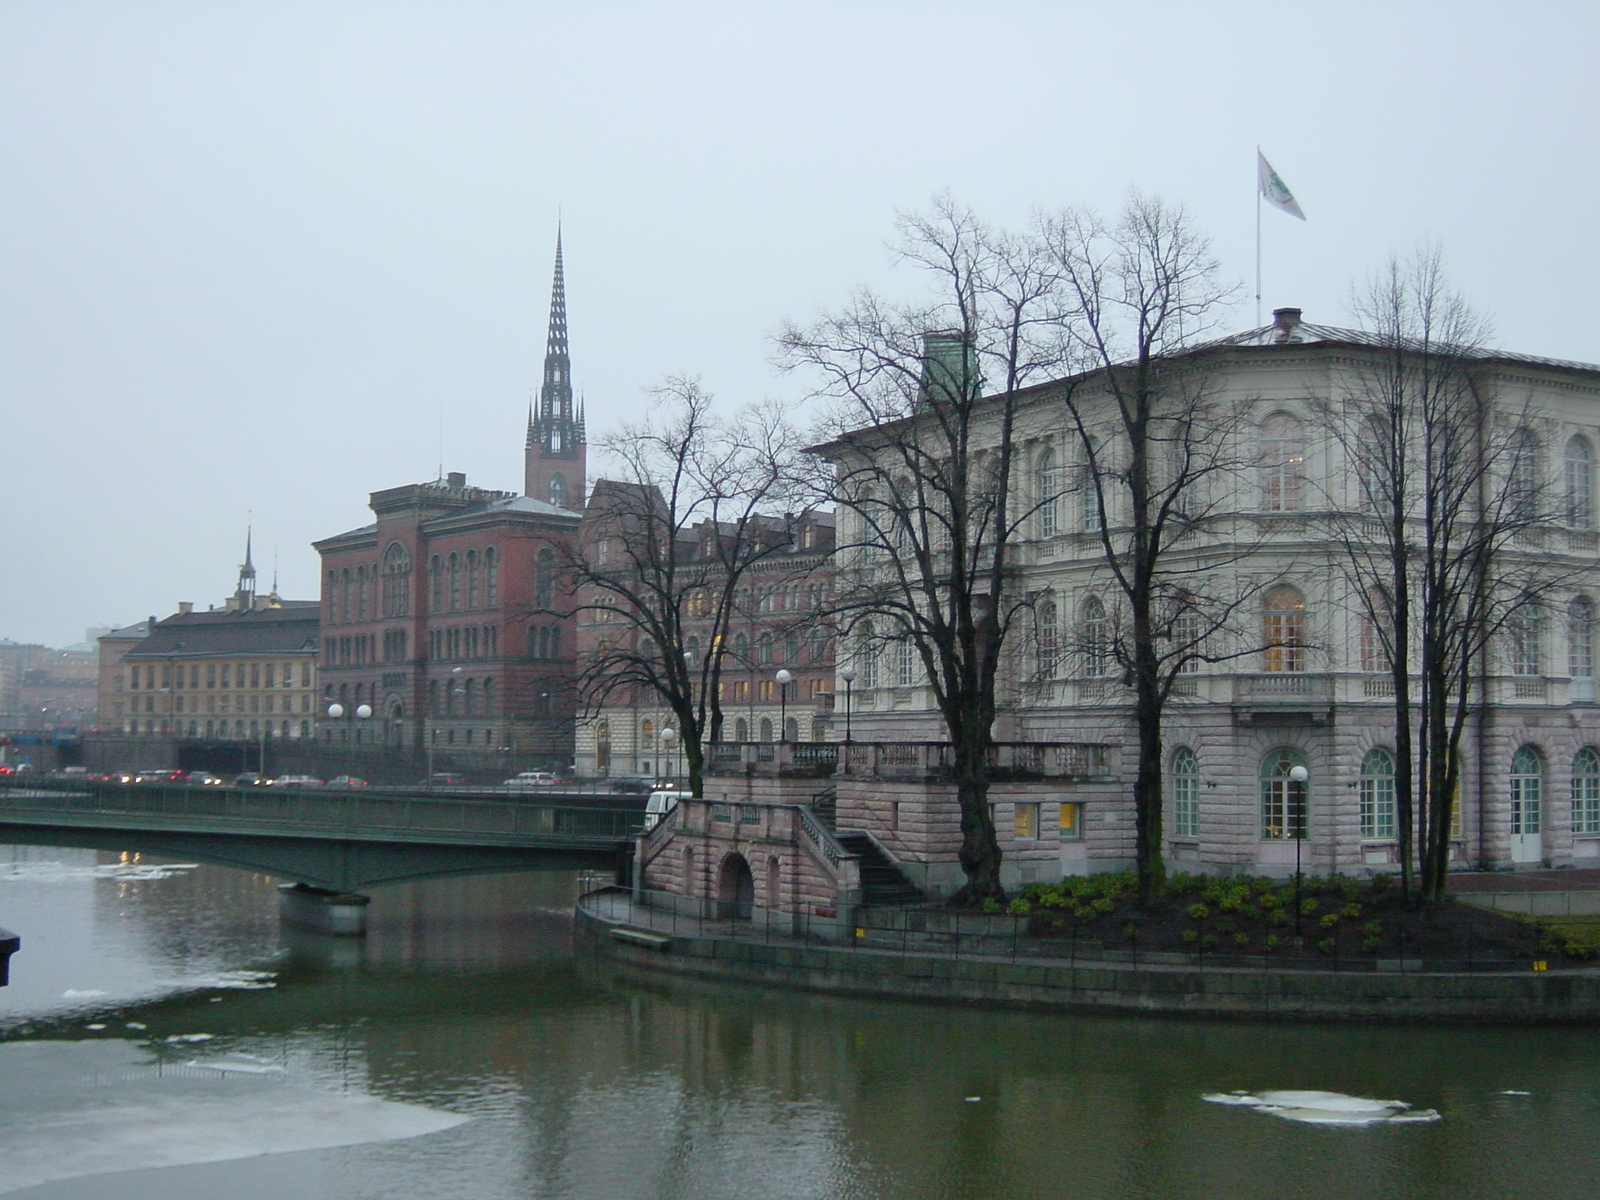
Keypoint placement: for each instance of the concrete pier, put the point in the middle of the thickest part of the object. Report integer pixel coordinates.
(343, 914)
(10, 943)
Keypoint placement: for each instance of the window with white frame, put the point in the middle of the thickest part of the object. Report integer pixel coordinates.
(1049, 477)
(1049, 636)
(1580, 484)
(1522, 480)
(1283, 629)
(1282, 458)
(1372, 623)
(1524, 636)
(1096, 639)
(1284, 800)
(905, 662)
(1377, 794)
(1586, 791)
(1580, 647)
(1527, 791)
(1185, 794)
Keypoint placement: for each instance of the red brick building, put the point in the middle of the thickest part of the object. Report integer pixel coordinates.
(443, 631)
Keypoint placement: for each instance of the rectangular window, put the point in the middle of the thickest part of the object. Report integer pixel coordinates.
(272, 675)
(211, 675)
(1377, 806)
(1025, 820)
(1185, 806)
(225, 674)
(1072, 820)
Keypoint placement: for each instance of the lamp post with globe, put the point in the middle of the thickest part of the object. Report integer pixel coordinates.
(669, 742)
(1298, 777)
(848, 674)
(784, 678)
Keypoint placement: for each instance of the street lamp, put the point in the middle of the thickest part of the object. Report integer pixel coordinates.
(1298, 776)
(848, 674)
(669, 739)
(784, 679)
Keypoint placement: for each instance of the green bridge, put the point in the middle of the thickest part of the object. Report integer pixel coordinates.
(337, 841)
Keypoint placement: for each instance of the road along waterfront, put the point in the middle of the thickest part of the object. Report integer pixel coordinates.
(466, 1001)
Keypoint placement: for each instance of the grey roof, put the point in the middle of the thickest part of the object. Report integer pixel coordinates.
(1307, 334)
(290, 629)
(529, 505)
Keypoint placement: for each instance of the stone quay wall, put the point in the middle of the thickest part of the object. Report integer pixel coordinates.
(1504, 997)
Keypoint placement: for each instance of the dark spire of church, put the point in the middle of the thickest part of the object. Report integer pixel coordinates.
(556, 453)
(246, 593)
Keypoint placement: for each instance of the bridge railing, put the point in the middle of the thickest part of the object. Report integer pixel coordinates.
(294, 810)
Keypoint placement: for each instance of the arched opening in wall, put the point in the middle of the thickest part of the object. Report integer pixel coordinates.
(766, 729)
(736, 889)
(394, 724)
(688, 871)
(791, 730)
(774, 880)
(602, 747)
(741, 730)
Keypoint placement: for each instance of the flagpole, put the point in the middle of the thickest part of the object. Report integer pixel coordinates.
(1258, 237)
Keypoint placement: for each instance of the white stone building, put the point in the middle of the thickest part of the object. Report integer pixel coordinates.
(1277, 534)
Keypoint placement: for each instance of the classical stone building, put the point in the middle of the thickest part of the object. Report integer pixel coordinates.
(446, 631)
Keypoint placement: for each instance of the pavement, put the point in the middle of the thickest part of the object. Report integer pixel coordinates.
(1468, 882)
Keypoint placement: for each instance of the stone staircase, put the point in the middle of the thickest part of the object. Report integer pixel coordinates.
(882, 884)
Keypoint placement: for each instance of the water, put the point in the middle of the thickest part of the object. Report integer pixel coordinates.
(466, 1001)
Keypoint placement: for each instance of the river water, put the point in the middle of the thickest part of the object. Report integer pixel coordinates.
(163, 1037)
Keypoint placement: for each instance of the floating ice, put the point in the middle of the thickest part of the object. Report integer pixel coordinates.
(71, 1109)
(137, 1025)
(83, 994)
(973, 1099)
(1514, 1092)
(59, 872)
(243, 1064)
(191, 1037)
(96, 1026)
(1326, 1108)
(242, 980)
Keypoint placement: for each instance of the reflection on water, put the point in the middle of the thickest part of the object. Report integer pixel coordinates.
(582, 1082)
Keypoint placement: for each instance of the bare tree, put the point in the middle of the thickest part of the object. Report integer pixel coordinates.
(667, 550)
(1159, 446)
(1446, 480)
(921, 464)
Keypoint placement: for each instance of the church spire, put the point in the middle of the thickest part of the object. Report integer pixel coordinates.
(246, 592)
(555, 450)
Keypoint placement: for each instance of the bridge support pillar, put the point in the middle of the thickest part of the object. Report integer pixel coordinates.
(10, 943)
(343, 914)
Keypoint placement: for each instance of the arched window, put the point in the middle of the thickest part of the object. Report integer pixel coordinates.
(472, 579)
(1580, 484)
(1527, 791)
(1096, 639)
(347, 600)
(331, 597)
(396, 581)
(433, 698)
(1522, 479)
(867, 657)
(1374, 623)
(361, 593)
(1586, 791)
(741, 651)
(602, 746)
(1283, 630)
(766, 729)
(470, 697)
(1089, 506)
(544, 578)
(435, 585)
(741, 730)
(558, 491)
(1525, 637)
(1580, 647)
(791, 729)
(764, 649)
(1284, 802)
(1049, 483)
(1283, 462)
(1049, 640)
(491, 577)
(1185, 794)
(455, 582)
(647, 733)
(1377, 794)
(488, 699)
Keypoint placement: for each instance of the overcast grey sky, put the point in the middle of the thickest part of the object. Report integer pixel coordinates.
(250, 253)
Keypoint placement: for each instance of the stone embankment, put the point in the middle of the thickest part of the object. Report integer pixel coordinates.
(611, 927)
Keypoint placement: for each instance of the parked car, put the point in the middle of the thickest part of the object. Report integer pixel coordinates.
(204, 778)
(530, 779)
(444, 779)
(347, 781)
(295, 781)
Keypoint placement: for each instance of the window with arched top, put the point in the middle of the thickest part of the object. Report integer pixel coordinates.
(396, 581)
(602, 746)
(435, 585)
(1525, 639)
(1048, 475)
(1374, 629)
(361, 593)
(1375, 462)
(1283, 629)
(491, 577)
(1579, 483)
(1586, 791)
(1527, 791)
(741, 730)
(1047, 621)
(347, 597)
(544, 578)
(905, 660)
(867, 656)
(1185, 793)
(472, 579)
(766, 729)
(1285, 807)
(647, 732)
(558, 491)
(1096, 634)
(1522, 477)
(1282, 459)
(454, 570)
(1377, 800)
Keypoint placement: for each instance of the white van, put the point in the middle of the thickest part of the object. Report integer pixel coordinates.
(659, 804)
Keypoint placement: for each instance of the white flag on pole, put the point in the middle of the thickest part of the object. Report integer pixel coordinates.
(1274, 189)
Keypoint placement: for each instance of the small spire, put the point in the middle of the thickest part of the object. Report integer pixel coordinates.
(246, 592)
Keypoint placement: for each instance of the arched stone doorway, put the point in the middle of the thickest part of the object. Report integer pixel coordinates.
(736, 889)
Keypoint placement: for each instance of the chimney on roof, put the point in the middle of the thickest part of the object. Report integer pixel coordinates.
(457, 479)
(185, 607)
(1285, 324)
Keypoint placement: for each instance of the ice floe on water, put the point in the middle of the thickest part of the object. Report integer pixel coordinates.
(70, 1109)
(240, 980)
(60, 872)
(1327, 1108)
(83, 994)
